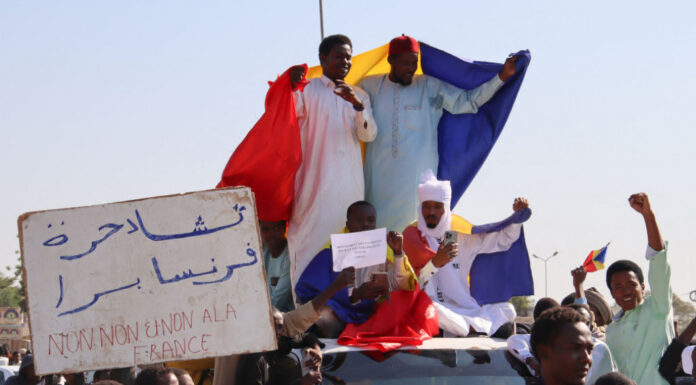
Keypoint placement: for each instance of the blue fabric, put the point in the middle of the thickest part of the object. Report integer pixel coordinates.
(464, 141)
(496, 277)
(317, 277)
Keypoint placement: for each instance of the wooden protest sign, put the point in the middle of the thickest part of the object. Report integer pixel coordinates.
(145, 281)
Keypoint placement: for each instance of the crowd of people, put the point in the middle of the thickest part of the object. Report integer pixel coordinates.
(423, 289)
(424, 285)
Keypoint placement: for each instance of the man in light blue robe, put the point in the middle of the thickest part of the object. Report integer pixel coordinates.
(407, 108)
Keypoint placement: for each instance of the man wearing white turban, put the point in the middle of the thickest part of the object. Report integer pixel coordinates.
(444, 269)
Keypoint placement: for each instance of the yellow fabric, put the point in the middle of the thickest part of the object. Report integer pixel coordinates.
(196, 368)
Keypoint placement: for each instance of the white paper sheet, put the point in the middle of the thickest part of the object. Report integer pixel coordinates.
(361, 249)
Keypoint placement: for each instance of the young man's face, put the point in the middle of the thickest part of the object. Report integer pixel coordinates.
(568, 359)
(626, 289)
(337, 63)
(361, 218)
(403, 67)
(432, 212)
(272, 233)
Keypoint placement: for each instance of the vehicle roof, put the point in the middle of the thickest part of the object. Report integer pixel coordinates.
(466, 343)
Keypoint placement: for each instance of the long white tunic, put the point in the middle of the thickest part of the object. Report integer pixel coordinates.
(406, 144)
(330, 177)
(448, 286)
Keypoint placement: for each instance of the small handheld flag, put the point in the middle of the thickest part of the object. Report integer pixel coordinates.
(595, 260)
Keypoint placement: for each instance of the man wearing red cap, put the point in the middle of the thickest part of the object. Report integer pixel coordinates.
(407, 108)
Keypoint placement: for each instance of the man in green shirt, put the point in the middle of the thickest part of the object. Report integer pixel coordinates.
(643, 328)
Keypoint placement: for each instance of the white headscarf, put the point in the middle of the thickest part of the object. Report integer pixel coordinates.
(432, 189)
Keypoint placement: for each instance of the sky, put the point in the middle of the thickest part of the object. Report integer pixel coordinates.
(105, 101)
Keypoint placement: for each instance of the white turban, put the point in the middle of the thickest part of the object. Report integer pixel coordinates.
(432, 189)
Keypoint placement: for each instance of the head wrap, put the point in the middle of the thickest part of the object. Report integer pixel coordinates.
(432, 189)
(403, 44)
(596, 301)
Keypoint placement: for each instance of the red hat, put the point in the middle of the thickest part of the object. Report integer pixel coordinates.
(403, 44)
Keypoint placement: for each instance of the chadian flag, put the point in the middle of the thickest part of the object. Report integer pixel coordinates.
(595, 260)
(268, 158)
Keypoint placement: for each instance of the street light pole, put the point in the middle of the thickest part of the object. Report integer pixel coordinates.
(546, 272)
(321, 18)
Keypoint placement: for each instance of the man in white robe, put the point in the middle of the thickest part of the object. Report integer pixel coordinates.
(333, 118)
(444, 269)
(407, 108)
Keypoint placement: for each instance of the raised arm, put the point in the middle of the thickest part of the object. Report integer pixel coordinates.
(461, 101)
(641, 204)
(659, 271)
(579, 274)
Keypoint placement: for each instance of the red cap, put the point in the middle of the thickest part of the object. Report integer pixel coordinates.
(403, 44)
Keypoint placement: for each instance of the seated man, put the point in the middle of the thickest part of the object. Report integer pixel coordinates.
(562, 343)
(356, 306)
(447, 283)
(644, 327)
(277, 262)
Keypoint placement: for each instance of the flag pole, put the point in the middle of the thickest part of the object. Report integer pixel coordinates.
(321, 18)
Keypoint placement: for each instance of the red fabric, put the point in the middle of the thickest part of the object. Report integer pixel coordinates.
(416, 247)
(408, 319)
(268, 158)
(403, 44)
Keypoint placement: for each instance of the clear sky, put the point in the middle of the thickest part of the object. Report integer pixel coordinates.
(104, 101)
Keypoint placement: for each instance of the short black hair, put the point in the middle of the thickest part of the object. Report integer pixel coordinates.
(543, 304)
(624, 265)
(613, 378)
(358, 204)
(547, 327)
(153, 376)
(331, 41)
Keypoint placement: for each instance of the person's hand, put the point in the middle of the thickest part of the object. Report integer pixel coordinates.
(509, 68)
(311, 378)
(520, 204)
(534, 364)
(313, 358)
(579, 275)
(369, 290)
(345, 91)
(296, 75)
(346, 276)
(445, 254)
(396, 241)
(640, 203)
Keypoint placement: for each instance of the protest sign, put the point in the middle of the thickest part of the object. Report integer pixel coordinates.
(145, 281)
(361, 249)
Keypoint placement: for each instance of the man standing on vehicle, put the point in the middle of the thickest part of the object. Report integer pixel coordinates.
(443, 269)
(407, 108)
(562, 343)
(334, 118)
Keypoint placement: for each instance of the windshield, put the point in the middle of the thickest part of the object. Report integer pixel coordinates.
(433, 367)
